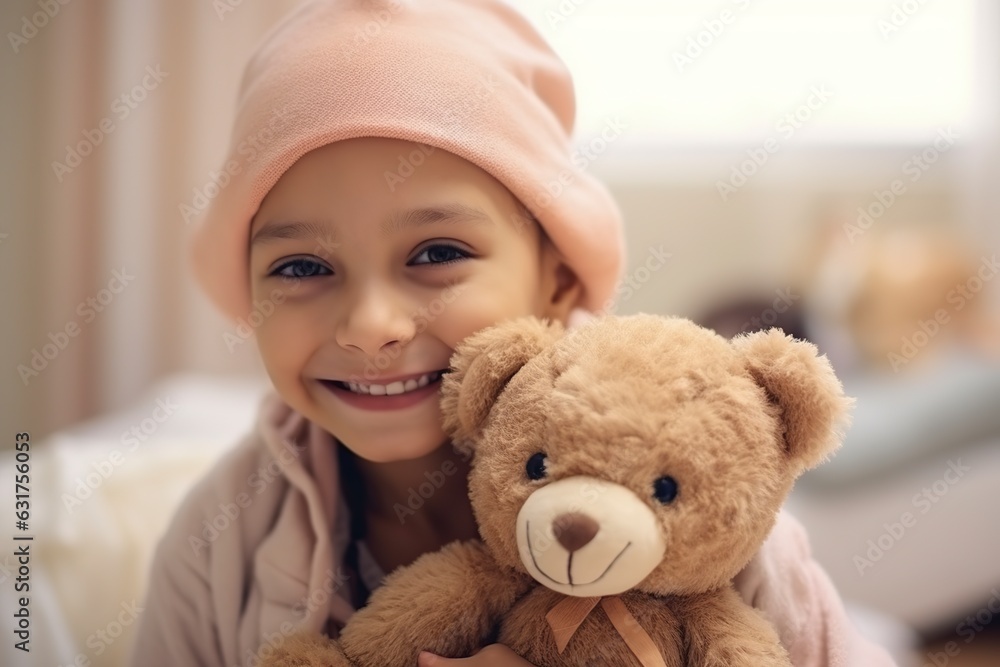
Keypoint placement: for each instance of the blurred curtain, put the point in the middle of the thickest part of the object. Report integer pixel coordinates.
(981, 183)
(113, 112)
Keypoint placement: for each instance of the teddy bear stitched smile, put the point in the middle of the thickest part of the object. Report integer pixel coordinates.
(573, 531)
(589, 537)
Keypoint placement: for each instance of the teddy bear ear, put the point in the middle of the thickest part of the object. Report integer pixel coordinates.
(802, 384)
(481, 367)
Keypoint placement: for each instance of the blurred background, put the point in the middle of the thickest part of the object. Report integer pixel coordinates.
(831, 167)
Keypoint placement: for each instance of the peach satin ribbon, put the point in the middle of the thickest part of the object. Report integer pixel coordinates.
(570, 612)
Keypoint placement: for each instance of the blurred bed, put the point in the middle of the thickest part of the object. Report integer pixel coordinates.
(904, 516)
(102, 492)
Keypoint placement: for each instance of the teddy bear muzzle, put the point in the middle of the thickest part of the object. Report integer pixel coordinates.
(584, 537)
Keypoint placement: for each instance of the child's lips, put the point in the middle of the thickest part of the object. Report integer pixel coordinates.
(396, 401)
(388, 385)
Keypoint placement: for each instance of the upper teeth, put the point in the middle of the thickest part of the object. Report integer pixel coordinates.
(393, 388)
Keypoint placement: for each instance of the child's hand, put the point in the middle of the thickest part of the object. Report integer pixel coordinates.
(494, 655)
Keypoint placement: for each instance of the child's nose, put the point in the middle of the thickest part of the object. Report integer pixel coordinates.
(375, 320)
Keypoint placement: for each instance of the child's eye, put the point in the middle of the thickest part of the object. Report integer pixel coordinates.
(439, 254)
(300, 268)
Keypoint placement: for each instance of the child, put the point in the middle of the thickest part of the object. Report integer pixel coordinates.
(410, 182)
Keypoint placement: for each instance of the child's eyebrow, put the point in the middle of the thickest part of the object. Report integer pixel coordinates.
(305, 230)
(298, 230)
(449, 213)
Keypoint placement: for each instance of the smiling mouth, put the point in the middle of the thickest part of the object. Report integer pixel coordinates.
(569, 563)
(391, 389)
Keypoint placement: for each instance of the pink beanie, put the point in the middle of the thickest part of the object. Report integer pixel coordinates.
(472, 77)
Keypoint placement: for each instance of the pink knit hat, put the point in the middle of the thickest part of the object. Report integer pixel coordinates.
(471, 77)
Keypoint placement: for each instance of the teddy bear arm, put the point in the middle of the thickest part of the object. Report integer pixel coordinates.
(722, 630)
(447, 602)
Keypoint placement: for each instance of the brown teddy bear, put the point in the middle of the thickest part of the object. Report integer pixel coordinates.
(623, 473)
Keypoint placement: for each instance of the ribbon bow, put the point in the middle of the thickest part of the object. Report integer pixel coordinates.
(570, 612)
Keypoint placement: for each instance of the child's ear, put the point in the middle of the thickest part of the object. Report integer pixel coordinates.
(802, 384)
(561, 288)
(482, 365)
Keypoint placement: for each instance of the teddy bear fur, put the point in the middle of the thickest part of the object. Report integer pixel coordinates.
(618, 403)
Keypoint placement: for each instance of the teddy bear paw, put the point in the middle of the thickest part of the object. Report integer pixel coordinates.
(305, 650)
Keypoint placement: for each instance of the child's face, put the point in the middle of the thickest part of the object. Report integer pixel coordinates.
(368, 294)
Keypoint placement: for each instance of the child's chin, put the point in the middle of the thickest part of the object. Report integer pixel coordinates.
(393, 451)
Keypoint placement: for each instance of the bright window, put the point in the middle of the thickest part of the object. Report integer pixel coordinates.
(893, 71)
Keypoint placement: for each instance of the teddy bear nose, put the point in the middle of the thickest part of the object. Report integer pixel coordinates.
(574, 530)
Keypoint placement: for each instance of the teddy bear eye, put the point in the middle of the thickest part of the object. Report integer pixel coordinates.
(665, 489)
(535, 467)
